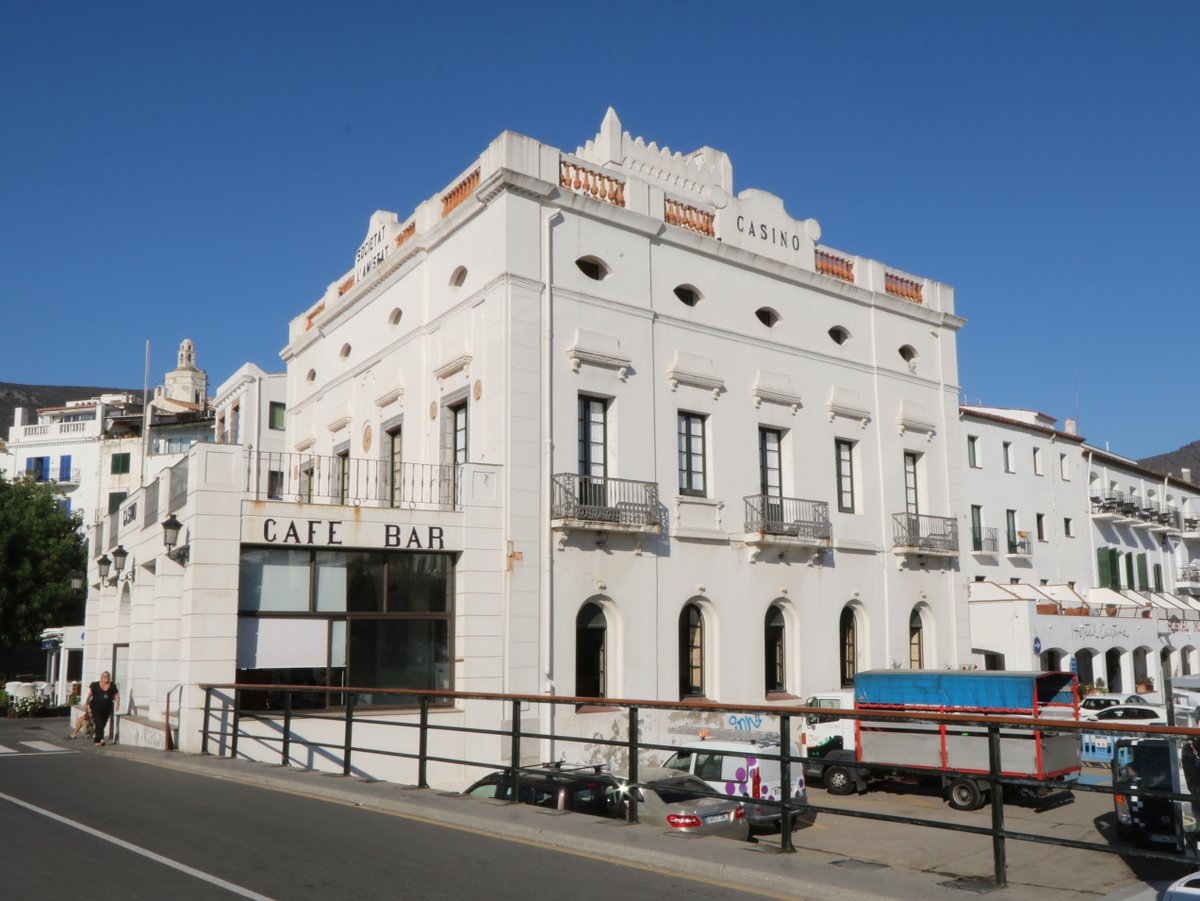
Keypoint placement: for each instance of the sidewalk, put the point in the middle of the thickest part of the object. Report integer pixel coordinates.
(807, 874)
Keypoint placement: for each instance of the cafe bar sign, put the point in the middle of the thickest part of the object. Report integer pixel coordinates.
(289, 532)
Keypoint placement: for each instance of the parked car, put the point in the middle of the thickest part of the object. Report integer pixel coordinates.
(1142, 714)
(1100, 700)
(684, 803)
(558, 786)
(738, 769)
(1185, 889)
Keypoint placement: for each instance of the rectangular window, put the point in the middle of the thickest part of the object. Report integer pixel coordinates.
(593, 437)
(277, 415)
(770, 470)
(235, 413)
(342, 461)
(1158, 577)
(38, 468)
(1008, 458)
(64, 468)
(115, 499)
(845, 475)
(911, 504)
(1143, 573)
(1010, 522)
(691, 454)
(976, 527)
(454, 445)
(1068, 528)
(1064, 468)
(1041, 526)
(1037, 461)
(394, 448)
(973, 451)
(120, 464)
(275, 484)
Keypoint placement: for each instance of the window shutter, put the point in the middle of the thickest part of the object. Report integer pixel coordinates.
(1103, 568)
(1142, 573)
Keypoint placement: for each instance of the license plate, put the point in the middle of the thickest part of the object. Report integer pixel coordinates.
(1165, 839)
(717, 818)
(1100, 742)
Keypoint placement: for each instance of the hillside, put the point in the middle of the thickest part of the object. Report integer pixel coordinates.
(1186, 457)
(13, 395)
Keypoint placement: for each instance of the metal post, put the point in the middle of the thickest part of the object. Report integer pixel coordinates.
(207, 711)
(515, 754)
(785, 784)
(423, 745)
(999, 859)
(287, 728)
(632, 812)
(347, 745)
(237, 722)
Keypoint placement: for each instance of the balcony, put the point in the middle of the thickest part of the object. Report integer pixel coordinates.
(1020, 545)
(914, 533)
(786, 522)
(316, 479)
(604, 504)
(1188, 576)
(985, 541)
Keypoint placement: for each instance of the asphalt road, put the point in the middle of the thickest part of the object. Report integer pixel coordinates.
(79, 821)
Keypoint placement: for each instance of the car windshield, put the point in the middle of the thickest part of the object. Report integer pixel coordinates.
(680, 760)
(1144, 765)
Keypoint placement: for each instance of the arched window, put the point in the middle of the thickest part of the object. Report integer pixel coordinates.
(775, 655)
(691, 652)
(916, 640)
(591, 652)
(848, 632)
(1051, 660)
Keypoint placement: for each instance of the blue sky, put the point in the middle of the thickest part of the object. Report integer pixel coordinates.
(204, 171)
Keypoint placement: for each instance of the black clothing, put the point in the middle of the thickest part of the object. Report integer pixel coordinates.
(101, 705)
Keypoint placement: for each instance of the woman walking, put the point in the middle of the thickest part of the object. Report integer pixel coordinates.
(102, 699)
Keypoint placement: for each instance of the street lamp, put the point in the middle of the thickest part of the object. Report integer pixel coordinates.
(171, 527)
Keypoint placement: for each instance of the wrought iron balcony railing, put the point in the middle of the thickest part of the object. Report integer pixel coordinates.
(789, 517)
(918, 533)
(596, 499)
(1020, 545)
(317, 479)
(985, 541)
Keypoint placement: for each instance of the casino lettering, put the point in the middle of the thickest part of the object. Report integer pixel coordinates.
(770, 234)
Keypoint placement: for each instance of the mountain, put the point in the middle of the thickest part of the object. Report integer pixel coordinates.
(13, 395)
(1175, 462)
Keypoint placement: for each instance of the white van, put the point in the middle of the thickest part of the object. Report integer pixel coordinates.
(744, 769)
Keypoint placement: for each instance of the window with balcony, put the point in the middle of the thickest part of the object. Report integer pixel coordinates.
(1010, 522)
(275, 484)
(64, 468)
(775, 652)
(844, 460)
(912, 504)
(38, 468)
(692, 454)
(593, 451)
(276, 418)
(120, 464)
(691, 652)
(770, 473)
(342, 461)
(591, 658)
(454, 440)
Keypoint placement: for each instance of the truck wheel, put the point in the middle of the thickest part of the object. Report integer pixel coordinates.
(838, 780)
(964, 794)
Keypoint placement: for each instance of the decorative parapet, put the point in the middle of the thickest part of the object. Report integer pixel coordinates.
(409, 231)
(838, 267)
(598, 185)
(345, 286)
(308, 320)
(902, 287)
(683, 215)
(459, 193)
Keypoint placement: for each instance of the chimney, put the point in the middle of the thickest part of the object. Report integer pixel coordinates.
(1185, 474)
(1071, 427)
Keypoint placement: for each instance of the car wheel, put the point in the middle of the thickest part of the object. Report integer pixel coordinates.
(964, 794)
(838, 780)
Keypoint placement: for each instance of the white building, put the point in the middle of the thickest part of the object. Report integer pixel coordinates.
(1079, 558)
(585, 423)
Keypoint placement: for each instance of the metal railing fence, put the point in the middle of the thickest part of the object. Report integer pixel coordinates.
(426, 703)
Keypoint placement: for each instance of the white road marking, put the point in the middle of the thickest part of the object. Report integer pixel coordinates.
(157, 858)
(5, 750)
(41, 746)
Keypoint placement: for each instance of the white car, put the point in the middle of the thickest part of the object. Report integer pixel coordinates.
(1137, 714)
(1100, 700)
(1185, 889)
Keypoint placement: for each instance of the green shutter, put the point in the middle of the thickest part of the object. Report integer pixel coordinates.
(1158, 579)
(1142, 573)
(1128, 571)
(1103, 568)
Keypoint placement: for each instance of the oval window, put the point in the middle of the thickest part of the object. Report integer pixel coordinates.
(767, 316)
(592, 267)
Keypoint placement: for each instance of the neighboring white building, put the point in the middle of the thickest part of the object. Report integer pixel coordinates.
(584, 423)
(1079, 557)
